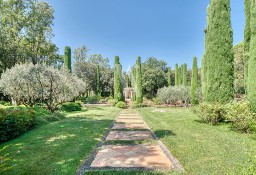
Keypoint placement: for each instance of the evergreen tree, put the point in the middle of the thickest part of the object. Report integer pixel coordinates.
(67, 58)
(180, 75)
(118, 86)
(247, 38)
(194, 83)
(134, 83)
(176, 75)
(251, 84)
(185, 75)
(139, 96)
(169, 76)
(219, 53)
(98, 80)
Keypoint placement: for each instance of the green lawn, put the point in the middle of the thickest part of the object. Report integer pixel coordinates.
(59, 147)
(202, 148)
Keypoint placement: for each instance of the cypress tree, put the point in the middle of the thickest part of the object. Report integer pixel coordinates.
(194, 83)
(118, 86)
(180, 75)
(247, 38)
(67, 58)
(251, 83)
(139, 96)
(98, 80)
(169, 76)
(134, 83)
(219, 54)
(184, 76)
(176, 75)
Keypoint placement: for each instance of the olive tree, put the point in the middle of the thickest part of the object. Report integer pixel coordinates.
(29, 84)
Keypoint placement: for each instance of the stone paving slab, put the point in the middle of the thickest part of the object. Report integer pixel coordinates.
(128, 117)
(129, 126)
(129, 135)
(138, 156)
(129, 121)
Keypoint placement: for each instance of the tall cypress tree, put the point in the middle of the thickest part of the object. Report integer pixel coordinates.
(251, 83)
(176, 75)
(118, 86)
(219, 54)
(67, 58)
(169, 76)
(184, 76)
(139, 96)
(180, 75)
(194, 83)
(98, 80)
(247, 38)
(134, 84)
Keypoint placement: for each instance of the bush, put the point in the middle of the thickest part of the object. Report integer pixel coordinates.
(15, 122)
(71, 106)
(156, 101)
(112, 102)
(211, 113)
(5, 103)
(121, 105)
(241, 116)
(92, 99)
(138, 105)
(174, 95)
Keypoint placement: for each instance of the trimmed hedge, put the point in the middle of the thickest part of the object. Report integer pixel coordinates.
(16, 121)
(71, 106)
(121, 105)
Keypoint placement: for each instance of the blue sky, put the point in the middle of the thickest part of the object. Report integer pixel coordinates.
(171, 30)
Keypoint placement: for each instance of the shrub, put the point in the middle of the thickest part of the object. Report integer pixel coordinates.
(211, 113)
(71, 106)
(112, 102)
(5, 103)
(174, 95)
(92, 99)
(138, 105)
(121, 105)
(241, 116)
(156, 101)
(15, 122)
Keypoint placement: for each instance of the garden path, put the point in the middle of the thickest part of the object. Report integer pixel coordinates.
(130, 145)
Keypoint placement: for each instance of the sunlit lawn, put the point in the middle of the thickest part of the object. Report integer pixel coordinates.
(202, 148)
(59, 147)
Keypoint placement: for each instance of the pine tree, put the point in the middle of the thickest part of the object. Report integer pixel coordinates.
(67, 58)
(251, 83)
(176, 75)
(118, 86)
(169, 76)
(184, 76)
(194, 83)
(139, 96)
(247, 38)
(219, 53)
(98, 80)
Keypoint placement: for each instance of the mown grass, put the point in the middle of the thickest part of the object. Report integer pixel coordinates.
(202, 148)
(59, 147)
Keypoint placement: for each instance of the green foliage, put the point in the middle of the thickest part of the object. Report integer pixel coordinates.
(98, 81)
(137, 105)
(153, 76)
(194, 83)
(121, 105)
(219, 53)
(5, 103)
(184, 75)
(241, 116)
(139, 95)
(156, 101)
(239, 83)
(112, 102)
(67, 58)
(174, 95)
(247, 38)
(251, 83)
(71, 106)
(177, 81)
(118, 86)
(212, 113)
(169, 76)
(91, 99)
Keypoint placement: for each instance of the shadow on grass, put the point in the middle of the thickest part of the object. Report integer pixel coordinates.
(44, 147)
(163, 133)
